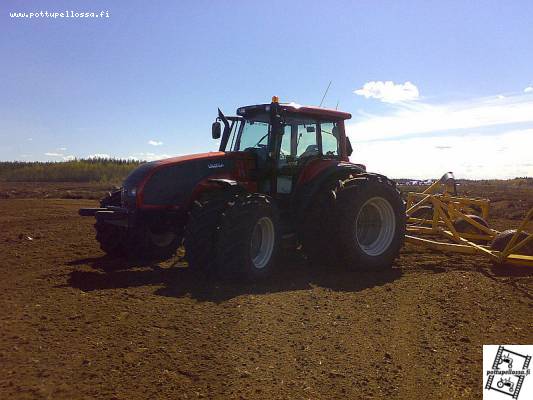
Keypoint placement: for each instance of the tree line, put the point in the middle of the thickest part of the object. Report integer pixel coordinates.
(103, 170)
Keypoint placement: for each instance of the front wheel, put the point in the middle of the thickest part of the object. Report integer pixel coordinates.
(110, 238)
(370, 216)
(247, 239)
(149, 243)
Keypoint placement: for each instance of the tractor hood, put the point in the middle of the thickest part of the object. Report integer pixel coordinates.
(170, 182)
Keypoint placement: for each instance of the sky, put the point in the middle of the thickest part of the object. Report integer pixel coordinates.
(432, 86)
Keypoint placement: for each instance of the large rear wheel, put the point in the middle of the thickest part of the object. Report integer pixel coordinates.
(370, 216)
(375, 226)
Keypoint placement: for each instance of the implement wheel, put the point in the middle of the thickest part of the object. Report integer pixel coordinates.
(423, 212)
(463, 226)
(503, 238)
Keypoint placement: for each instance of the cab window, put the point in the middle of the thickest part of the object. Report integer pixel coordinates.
(306, 142)
(330, 138)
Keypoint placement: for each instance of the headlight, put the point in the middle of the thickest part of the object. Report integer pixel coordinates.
(128, 196)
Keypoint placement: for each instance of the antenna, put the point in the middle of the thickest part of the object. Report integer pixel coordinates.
(337, 106)
(325, 93)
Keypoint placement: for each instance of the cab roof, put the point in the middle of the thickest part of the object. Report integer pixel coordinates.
(293, 108)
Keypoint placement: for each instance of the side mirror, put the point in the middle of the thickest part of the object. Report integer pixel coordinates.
(216, 130)
(349, 148)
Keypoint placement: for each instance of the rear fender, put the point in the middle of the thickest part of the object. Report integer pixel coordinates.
(306, 192)
(368, 177)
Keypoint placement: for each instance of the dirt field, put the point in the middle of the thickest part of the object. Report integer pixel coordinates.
(74, 324)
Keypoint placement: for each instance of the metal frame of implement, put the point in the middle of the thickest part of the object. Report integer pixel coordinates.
(448, 207)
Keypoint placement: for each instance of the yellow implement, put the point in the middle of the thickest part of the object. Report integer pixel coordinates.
(432, 222)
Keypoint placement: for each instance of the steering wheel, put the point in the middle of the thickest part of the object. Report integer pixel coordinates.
(256, 147)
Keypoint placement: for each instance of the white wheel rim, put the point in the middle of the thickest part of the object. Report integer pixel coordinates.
(262, 242)
(375, 226)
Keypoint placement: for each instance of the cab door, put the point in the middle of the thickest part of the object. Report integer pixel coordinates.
(314, 146)
(300, 142)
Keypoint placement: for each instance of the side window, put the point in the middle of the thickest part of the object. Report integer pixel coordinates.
(307, 144)
(234, 131)
(330, 138)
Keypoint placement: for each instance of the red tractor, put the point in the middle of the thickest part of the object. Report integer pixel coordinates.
(282, 173)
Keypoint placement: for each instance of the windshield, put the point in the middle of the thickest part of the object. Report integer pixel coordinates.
(251, 135)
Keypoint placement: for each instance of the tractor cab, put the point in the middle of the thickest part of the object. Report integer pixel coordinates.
(289, 142)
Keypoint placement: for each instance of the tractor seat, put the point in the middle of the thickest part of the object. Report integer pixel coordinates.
(261, 155)
(311, 150)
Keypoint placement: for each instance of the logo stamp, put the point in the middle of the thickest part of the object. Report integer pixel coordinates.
(506, 372)
(215, 165)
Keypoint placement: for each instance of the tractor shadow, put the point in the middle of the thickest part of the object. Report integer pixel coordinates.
(293, 273)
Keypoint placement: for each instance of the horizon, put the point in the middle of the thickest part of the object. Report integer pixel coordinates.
(133, 161)
(431, 88)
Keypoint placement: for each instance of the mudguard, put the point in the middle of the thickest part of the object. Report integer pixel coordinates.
(307, 192)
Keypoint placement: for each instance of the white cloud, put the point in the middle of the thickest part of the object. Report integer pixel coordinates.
(30, 139)
(476, 139)
(62, 148)
(155, 142)
(60, 155)
(149, 156)
(99, 155)
(529, 89)
(389, 92)
(422, 118)
(475, 156)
